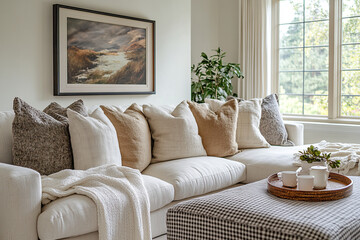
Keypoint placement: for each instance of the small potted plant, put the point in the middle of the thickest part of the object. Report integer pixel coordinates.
(313, 157)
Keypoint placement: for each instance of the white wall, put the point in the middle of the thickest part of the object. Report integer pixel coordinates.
(228, 29)
(26, 50)
(316, 132)
(214, 23)
(229, 32)
(204, 27)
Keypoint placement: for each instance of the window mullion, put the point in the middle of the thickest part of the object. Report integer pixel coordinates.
(275, 46)
(304, 44)
(334, 58)
(337, 46)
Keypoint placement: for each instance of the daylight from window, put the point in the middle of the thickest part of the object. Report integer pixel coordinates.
(304, 57)
(303, 64)
(350, 74)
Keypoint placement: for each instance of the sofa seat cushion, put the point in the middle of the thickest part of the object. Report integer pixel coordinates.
(197, 175)
(262, 162)
(76, 215)
(160, 192)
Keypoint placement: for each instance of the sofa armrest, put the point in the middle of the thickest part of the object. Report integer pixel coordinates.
(295, 132)
(20, 202)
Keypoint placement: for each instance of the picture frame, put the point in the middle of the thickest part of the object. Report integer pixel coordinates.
(99, 53)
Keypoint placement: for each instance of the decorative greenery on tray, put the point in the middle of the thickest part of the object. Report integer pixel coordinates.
(312, 154)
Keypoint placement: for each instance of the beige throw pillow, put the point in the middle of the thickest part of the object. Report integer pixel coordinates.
(175, 133)
(217, 129)
(248, 133)
(93, 139)
(133, 134)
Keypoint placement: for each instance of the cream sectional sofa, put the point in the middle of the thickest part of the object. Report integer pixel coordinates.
(167, 183)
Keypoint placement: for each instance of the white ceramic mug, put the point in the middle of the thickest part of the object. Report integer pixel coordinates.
(321, 175)
(305, 182)
(288, 178)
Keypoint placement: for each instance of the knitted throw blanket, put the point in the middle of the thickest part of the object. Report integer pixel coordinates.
(122, 202)
(348, 154)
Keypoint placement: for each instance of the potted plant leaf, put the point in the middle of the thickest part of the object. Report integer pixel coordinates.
(313, 157)
(213, 77)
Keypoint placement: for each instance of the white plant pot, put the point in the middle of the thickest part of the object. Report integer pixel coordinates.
(305, 166)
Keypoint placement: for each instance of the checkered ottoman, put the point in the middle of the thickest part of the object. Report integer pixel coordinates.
(250, 212)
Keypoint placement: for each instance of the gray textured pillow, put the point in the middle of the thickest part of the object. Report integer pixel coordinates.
(272, 126)
(42, 141)
(59, 113)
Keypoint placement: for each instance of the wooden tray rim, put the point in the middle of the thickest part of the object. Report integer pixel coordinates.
(324, 191)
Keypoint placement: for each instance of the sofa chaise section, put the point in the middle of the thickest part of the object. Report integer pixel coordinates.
(76, 215)
(262, 162)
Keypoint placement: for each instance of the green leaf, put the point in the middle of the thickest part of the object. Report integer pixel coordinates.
(313, 154)
(213, 77)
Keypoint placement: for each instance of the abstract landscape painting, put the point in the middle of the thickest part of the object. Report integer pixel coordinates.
(101, 53)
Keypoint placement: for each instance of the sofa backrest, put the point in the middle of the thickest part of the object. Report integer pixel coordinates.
(295, 131)
(6, 140)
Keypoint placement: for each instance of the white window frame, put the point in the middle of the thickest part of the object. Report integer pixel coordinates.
(334, 73)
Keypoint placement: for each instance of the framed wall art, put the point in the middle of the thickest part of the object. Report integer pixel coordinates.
(98, 53)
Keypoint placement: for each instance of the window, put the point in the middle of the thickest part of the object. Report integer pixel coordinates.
(319, 58)
(350, 61)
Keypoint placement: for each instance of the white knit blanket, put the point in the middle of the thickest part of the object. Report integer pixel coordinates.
(122, 202)
(348, 154)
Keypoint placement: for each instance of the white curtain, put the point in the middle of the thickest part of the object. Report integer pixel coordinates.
(254, 49)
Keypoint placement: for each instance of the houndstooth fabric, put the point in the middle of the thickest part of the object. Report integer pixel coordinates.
(250, 212)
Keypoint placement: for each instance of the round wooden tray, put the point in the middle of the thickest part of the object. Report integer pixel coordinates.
(339, 186)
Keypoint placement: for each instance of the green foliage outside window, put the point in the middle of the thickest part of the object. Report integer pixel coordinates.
(303, 74)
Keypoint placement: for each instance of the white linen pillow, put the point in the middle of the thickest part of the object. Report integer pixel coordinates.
(248, 134)
(175, 133)
(93, 140)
